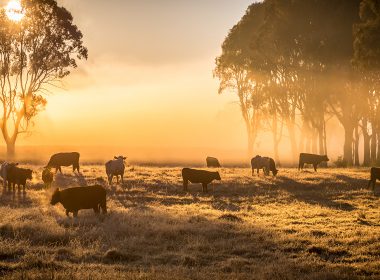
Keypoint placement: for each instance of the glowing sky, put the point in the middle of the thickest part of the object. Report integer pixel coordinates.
(148, 81)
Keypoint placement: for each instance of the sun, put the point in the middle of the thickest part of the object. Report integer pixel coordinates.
(14, 10)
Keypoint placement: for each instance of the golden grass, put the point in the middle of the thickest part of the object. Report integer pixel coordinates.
(300, 225)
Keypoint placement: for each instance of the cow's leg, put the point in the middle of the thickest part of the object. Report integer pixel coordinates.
(67, 213)
(75, 213)
(204, 187)
(299, 166)
(117, 179)
(369, 184)
(103, 205)
(60, 169)
(185, 183)
(96, 209)
(253, 171)
(258, 170)
(315, 167)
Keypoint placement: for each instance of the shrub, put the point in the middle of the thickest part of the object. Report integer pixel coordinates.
(341, 162)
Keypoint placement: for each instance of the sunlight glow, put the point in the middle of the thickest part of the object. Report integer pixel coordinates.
(14, 10)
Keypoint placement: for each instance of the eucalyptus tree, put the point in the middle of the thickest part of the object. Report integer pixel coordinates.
(36, 52)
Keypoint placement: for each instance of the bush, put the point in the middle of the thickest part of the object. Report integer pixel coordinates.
(341, 162)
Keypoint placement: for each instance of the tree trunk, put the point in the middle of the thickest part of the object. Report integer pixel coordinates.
(275, 138)
(293, 142)
(378, 149)
(314, 141)
(321, 142)
(11, 149)
(356, 147)
(251, 142)
(348, 138)
(373, 146)
(366, 143)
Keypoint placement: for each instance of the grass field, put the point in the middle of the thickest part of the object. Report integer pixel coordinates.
(300, 225)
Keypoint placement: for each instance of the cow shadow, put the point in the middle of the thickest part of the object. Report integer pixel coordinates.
(15, 198)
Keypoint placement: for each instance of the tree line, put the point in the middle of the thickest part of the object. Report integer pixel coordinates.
(297, 64)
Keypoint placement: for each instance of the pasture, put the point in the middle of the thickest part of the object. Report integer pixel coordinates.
(300, 225)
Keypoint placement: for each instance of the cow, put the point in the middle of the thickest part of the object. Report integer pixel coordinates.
(18, 176)
(64, 159)
(198, 176)
(313, 159)
(212, 162)
(265, 163)
(375, 175)
(4, 168)
(78, 198)
(115, 167)
(47, 177)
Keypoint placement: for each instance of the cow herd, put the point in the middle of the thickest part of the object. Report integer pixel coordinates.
(94, 197)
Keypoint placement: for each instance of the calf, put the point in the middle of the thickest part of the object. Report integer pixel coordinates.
(265, 163)
(4, 169)
(47, 177)
(375, 175)
(75, 199)
(315, 160)
(198, 176)
(64, 159)
(212, 162)
(18, 176)
(115, 167)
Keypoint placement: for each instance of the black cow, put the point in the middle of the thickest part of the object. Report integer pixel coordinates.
(212, 162)
(64, 159)
(266, 163)
(315, 160)
(18, 176)
(375, 175)
(75, 199)
(198, 176)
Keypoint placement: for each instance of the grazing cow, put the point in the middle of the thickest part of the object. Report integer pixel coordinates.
(75, 199)
(115, 167)
(47, 177)
(265, 163)
(4, 169)
(18, 176)
(315, 160)
(64, 159)
(198, 176)
(212, 162)
(375, 175)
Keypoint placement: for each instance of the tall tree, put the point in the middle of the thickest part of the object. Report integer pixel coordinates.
(35, 53)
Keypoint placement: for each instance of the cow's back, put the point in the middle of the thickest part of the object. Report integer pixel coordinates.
(64, 159)
(196, 175)
(82, 197)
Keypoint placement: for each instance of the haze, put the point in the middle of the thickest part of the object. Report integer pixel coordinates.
(147, 84)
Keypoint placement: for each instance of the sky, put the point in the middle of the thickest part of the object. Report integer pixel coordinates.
(148, 82)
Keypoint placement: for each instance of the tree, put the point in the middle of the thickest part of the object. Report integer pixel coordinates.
(35, 54)
(233, 70)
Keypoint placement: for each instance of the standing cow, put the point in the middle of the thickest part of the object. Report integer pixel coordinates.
(4, 170)
(375, 175)
(198, 176)
(75, 199)
(265, 163)
(315, 160)
(18, 176)
(116, 168)
(212, 162)
(64, 159)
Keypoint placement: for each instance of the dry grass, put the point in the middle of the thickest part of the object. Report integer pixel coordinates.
(301, 225)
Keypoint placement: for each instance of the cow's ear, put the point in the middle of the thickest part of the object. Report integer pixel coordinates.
(124, 157)
(115, 157)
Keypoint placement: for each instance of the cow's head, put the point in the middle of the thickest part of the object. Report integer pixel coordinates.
(325, 158)
(56, 197)
(217, 176)
(120, 157)
(275, 172)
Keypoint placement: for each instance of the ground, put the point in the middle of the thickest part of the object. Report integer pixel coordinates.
(299, 225)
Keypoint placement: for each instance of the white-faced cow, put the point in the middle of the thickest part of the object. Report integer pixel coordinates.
(64, 159)
(116, 168)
